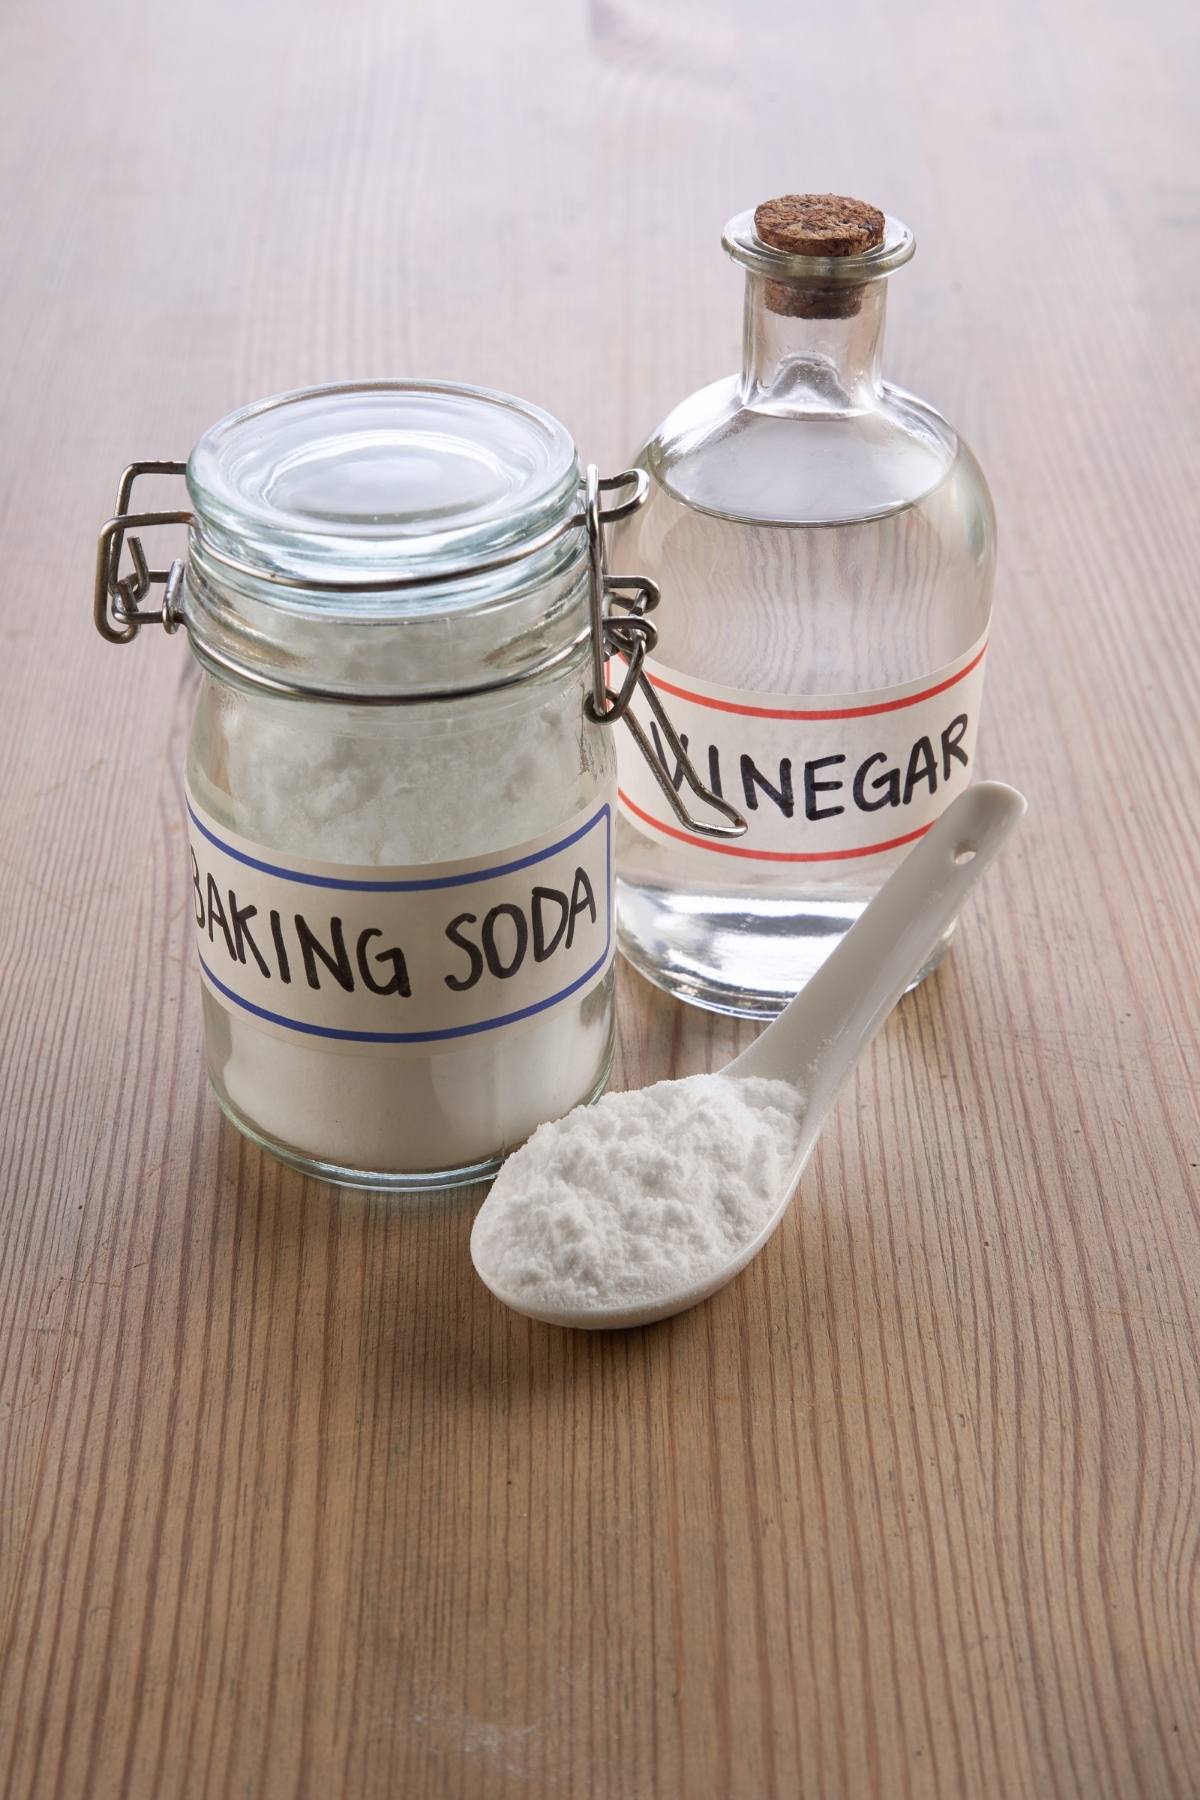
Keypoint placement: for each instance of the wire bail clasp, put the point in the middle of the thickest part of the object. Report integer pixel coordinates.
(117, 596)
(630, 635)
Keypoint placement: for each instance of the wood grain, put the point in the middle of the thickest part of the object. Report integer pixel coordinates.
(287, 1505)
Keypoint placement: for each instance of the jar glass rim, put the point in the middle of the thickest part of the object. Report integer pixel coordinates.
(400, 483)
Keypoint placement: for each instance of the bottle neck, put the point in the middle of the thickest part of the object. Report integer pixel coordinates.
(805, 365)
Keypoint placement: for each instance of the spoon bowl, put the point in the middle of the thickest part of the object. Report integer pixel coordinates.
(819, 1037)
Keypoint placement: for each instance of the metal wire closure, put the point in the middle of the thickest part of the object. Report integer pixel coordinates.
(116, 600)
(631, 636)
(735, 825)
(627, 634)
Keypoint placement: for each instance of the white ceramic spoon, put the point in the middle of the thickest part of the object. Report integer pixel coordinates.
(819, 1037)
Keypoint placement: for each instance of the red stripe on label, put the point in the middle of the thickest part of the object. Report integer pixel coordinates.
(829, 712)
(788, 856)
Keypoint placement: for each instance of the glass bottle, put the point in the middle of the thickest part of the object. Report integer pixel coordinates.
(825, 542)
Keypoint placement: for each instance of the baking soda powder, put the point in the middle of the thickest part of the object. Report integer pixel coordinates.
(639, 1196)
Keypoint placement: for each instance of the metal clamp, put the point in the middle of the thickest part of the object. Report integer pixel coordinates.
(735, 822)
(630, 635)
(116, 598)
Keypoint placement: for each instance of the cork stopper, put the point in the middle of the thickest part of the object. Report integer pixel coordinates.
(817, 225)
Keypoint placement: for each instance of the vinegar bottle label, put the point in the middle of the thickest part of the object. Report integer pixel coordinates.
(820, 778)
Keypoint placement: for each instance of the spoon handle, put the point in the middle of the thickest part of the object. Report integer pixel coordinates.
(819, 1037)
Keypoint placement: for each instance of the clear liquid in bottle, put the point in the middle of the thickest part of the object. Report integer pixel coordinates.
(825, 545)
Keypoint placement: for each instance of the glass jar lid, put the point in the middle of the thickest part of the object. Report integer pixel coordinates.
(397, 542)
(379, 481)
(386, 538)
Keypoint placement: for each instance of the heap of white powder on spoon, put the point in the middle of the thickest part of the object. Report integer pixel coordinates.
(637, 1196)
(649, 1202)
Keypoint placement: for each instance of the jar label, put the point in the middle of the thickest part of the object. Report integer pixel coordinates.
(822, 778)
(367, 958)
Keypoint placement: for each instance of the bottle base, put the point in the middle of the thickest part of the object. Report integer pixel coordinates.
(746, 961)
(391, 1181)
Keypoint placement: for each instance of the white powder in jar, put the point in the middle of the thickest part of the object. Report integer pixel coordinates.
(639, 1196)
(410, 787)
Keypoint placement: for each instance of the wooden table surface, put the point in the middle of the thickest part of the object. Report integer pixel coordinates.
(287, 1505)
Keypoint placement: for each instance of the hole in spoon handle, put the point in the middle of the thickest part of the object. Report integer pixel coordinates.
(827, 1027)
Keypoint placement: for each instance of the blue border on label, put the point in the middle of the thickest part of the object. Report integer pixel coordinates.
(395, 887)
(451, 1031)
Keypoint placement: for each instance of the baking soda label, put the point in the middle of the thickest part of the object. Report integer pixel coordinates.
(823, 778)
(374, 957)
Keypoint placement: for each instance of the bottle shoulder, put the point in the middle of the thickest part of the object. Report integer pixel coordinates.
(719, 455)
(767, 587)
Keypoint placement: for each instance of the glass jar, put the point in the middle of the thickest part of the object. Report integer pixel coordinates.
(400, 785)
(828, 543)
